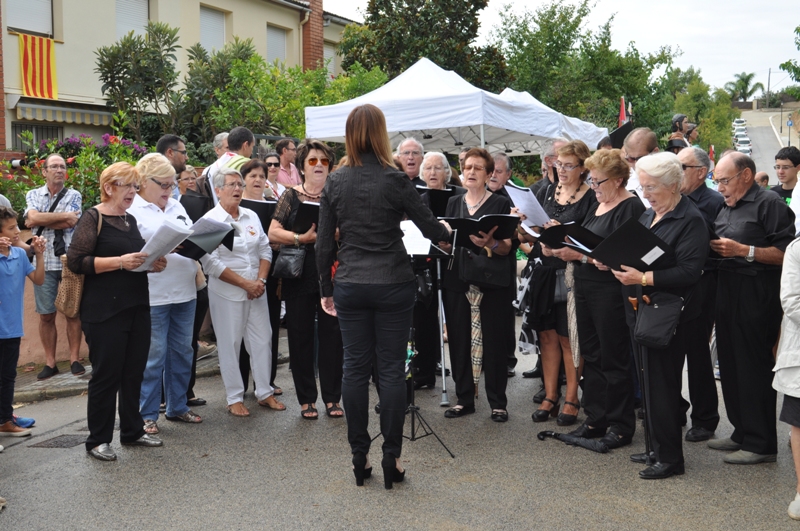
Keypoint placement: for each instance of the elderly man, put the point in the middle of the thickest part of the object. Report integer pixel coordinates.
(787, 163)
(702, 387)
(52, 211)
(220, 144)
(754, 228)
(549, 172)
(287, 173)
(640, 142)
(501, 174)
(762, 179)
(410, 152)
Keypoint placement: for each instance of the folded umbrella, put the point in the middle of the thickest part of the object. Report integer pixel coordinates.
(474, 296)
(572, 440)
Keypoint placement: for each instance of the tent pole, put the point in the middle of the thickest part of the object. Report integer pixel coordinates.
(483, 139)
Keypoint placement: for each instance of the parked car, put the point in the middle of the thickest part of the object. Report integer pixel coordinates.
(743, 141)
(739, 122)
(736, 130)
(737, 136)
(747, 150)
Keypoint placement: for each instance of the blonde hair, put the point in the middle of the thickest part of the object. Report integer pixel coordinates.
(610, 162)
(155, 165)
(121, 173)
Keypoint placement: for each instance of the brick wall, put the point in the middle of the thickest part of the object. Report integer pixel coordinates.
(2, 95)
(313, 39)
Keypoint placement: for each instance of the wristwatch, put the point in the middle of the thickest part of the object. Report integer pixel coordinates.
(751, 254)
(263, 281)
(584, 259)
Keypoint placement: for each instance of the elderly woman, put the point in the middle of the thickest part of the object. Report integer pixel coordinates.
(496, 311)
(673, 218)
(602, 329)
(314, 159)
(374, 286)
(115, 310)
(568, 199)
(173, 295)
(187, 180)
(238, 278)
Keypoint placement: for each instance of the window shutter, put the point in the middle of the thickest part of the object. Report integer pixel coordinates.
(132, 15)
(330, 53)
(276, 44)
(212, 29)
(30, 15)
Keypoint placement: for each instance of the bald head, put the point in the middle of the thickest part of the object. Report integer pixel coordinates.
(762, 178)
(639, 142)
(737, 170)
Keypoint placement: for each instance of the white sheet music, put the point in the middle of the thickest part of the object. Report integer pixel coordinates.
(206, 226)
(526, 202)
(413, 239)
(166, 238)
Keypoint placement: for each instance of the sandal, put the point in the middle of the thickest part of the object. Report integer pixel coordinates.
(238, 410)
(150, 427)
(189, 417)
(271, 403)
(309, 413)
(277, 391)
(334, 409)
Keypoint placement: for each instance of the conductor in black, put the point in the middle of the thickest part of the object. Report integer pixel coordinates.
(754, 227)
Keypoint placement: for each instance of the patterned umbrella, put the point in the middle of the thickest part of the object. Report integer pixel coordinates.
(474, 297)
(572, 319)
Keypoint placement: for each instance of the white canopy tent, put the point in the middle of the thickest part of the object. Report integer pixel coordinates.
(446, 113)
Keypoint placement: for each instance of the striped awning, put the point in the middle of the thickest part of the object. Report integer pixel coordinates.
(63, 113)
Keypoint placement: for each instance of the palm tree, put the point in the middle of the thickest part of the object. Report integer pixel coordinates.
(741, 89)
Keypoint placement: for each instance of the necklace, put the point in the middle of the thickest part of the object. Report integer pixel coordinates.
(571, 198)
(126, 219)
(311, 196)
(476, 205)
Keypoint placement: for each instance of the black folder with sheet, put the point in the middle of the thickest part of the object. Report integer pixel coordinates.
(196, 205)
(555, 236)
(195, 251)
(263, 209)
(307, 214)
(506, 226)
(437, 199)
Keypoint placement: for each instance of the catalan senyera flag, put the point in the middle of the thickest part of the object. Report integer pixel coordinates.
(37, 58)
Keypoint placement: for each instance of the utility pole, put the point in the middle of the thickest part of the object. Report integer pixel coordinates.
(769, 75)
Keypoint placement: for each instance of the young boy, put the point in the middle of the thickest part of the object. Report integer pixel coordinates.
(14, 267)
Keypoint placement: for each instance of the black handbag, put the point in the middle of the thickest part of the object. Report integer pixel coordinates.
(658, 320)
(560, 294)
(482, 270)
(289, 263)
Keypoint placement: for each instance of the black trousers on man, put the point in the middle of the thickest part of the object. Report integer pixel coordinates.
(748, 321)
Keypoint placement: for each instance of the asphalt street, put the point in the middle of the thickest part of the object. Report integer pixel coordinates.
(765, 143)
(275, 470)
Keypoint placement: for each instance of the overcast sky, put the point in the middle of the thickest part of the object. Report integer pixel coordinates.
(720, 37)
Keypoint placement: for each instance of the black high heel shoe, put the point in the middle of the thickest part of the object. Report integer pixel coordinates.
(541, 415)
(565, 419)
(359, 468)
(390, 472)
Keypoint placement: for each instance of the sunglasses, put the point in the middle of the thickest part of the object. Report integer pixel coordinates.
(314, 160)
(274, 164)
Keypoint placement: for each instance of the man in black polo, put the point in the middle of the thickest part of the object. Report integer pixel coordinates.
(702, 386)
(754, 228)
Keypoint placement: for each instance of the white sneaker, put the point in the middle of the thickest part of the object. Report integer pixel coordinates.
(794, 508)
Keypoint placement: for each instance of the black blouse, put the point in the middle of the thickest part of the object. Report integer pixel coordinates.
(285, 214)
(563, 214)
(106, 294)
(603, 226)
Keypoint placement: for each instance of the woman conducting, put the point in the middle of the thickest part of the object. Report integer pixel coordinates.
(236, 296)
(373, 291)
(673, 218)
(314, 159)
(115, 311)
(173, 295)
(602, 329)
(496, 311)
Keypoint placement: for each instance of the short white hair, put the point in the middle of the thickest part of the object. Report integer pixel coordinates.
(664, 166)
(219, 177)
(219, 139)
(442, 158)
(410, 139)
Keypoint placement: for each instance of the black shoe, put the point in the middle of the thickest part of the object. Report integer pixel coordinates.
(459, 411)
(511, 372)
(536, 372)
(194, 402)
(538, 397)
(378, 408)
(47, 372)
(439, 370)
(420, 384)
(77, 369)
(359, 468)
(541, 415)
(501, 415)
(390, 472)
(614, 440)
(642, 458)
(662, 471)
(587, 432)
(565, 419)
(697, 434)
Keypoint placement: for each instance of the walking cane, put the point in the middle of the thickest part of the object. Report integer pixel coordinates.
(641, 357)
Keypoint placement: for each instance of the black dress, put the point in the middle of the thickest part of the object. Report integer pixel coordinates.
(497, 319)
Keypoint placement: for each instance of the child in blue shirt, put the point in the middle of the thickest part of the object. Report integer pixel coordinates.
(14, 267)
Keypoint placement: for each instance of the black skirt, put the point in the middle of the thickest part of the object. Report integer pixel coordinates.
(790, 412)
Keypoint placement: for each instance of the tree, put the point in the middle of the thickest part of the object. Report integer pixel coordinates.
(397, 33)
(792, 66)
(742, 88)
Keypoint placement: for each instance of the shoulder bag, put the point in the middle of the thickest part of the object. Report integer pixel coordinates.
(482, 270)
(289, 263)
(70, 290)
(658, 319)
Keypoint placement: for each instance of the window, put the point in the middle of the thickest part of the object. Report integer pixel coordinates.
(132, 15)
(330, 54)
(30, 16)
(212, 28)
(40, 132)
(276, 44)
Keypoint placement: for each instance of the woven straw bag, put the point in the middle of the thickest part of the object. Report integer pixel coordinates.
(70, 291)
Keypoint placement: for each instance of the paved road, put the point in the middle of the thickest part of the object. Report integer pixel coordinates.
(765, 143)
(275, 470)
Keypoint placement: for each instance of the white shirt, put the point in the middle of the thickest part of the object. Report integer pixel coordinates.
(176, 283)
(249, 248)
(213, 169)
(795, 207)
(636, 189)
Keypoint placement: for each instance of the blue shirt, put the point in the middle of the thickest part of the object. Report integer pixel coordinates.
(13, 270)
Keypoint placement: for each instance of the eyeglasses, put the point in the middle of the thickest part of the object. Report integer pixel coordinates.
(273, 164)
(164, 186)
(290, 149)
(64, 168)
(129, 185)
(596, 184)
(634, 159)
(684, 166)
(778, 168)
(726, 181)
(414, 153)
(650, 188)
(567, 167)
(475, 167)
(314, 161)
(233, 186)
(181, 151)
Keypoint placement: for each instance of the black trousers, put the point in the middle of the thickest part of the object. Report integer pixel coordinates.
(603, 333)
(748, 322)
(118, 349)
(702, 385)
(200, 311)
(497, 316)
(300, 314)
(426, 337)
(274, 306)
(375, 321)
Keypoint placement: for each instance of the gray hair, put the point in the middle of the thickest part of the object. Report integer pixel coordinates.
(219, 139)
(410, 139)
(219, 177)
(442, 158)
(664, 166)
(504, 157)
(702, 158)
(550, 148)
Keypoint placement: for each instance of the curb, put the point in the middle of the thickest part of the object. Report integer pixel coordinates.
(774, 130)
